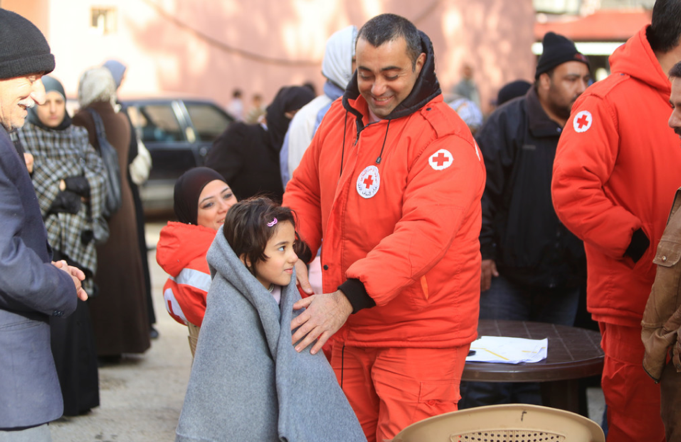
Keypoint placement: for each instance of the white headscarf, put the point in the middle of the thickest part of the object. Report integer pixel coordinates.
(96, 84)
(340, 49)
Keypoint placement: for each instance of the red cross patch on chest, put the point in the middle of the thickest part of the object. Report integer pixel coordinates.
(368, 182)
(441, 159)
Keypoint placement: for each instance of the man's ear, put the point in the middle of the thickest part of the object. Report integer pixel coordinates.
(545, 81)
(419, 63)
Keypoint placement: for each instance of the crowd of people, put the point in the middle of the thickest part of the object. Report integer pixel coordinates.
(333, 258)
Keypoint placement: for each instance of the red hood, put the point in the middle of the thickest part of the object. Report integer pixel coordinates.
(180, 244)
(636, 59)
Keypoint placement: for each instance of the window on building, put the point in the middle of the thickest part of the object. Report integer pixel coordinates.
(103, 20)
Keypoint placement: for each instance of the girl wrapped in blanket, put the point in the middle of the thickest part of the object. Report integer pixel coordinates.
(248, 383)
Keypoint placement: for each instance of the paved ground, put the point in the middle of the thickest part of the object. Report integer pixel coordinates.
(141, 397)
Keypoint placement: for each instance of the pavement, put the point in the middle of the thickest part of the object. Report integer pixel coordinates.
(141, 397)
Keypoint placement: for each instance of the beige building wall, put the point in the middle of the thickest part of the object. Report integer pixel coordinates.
(209, 47)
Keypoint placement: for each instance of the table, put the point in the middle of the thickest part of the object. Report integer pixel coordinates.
(573, 353)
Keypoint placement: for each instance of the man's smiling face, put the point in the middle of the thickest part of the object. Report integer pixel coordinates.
(16, 96)
(386, 74)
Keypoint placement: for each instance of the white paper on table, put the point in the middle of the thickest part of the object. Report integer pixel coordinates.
(503, 350)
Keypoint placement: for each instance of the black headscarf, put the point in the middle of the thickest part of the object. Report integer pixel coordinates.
(289, 98)
(188, 189)
(51, 84)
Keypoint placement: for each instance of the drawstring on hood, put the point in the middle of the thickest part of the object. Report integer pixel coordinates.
(425, 89)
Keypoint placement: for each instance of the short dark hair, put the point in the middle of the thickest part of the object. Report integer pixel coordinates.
(675, 71)
(236, 93)
(389, 27)
(247, 231)
(665, 29)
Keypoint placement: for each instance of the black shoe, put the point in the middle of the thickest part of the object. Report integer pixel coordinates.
(153, 333)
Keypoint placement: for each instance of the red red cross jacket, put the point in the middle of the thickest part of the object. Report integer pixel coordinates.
(614, 177)
(181, 252)
(402, 231)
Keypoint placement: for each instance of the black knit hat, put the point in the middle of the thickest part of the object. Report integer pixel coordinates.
(557, 50)
(23, 48)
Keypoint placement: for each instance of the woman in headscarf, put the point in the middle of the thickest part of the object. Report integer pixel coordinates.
(202, 199)
(68, 177)
(139, 164)
(247, 155)
(119, 312)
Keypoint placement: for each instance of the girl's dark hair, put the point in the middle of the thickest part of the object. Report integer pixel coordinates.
(247, 232)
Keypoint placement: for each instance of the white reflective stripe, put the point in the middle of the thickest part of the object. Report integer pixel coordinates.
(194, 278)
(172, 305)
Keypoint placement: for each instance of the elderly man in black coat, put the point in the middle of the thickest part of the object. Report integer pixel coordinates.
(32, 288)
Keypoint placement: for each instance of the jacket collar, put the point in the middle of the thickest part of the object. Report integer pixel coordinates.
(425, 89)
(540, 123)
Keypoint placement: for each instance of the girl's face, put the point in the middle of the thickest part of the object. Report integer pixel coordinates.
(214, 202)
(280, 257)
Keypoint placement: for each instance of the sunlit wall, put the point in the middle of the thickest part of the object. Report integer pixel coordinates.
(188, 46)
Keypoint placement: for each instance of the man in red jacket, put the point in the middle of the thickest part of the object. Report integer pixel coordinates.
(614, 179)
(392, 182)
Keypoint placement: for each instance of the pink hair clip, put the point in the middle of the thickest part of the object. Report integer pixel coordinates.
(274, 221)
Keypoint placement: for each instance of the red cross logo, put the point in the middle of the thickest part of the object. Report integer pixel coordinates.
(440, 159)
(368, 182)
(582, 121)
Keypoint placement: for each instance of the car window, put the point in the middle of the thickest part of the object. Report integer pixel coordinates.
(208, 120)
(156, 123)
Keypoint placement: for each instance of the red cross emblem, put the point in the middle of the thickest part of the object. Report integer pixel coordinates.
(368, 182)
(582, 121)
(441, 159)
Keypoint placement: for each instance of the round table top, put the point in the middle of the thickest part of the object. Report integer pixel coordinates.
(573, 353)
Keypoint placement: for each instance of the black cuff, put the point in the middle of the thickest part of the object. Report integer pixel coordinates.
(79, 185)
(488, 251)
(354, 290)
(65, 202)
(638, 245)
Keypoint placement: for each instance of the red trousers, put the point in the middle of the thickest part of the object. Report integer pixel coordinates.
(632, 397)
(391, 388)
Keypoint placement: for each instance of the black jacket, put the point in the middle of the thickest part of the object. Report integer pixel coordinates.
(520, 229)
(244, 155)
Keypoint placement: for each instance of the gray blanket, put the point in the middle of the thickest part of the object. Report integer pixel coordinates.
(247, 382)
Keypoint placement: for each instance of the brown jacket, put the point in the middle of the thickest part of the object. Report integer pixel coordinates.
(662, 316)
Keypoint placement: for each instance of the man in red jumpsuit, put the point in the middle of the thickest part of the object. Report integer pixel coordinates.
(392, 183)
(614, 179)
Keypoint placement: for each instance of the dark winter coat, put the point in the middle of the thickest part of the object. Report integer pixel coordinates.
(520, 229)
(31, 290)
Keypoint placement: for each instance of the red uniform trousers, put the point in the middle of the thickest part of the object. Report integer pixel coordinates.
(391, 388)
(632, 397)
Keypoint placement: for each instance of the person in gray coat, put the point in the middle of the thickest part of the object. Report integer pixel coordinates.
(248, 383)
(32, 288)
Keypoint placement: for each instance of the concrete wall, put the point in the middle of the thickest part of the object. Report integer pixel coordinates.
(185, 45)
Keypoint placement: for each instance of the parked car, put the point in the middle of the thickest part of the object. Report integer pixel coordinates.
(178, 133)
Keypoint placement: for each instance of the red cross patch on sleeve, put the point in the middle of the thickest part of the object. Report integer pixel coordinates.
(582, 121)
(441, 159)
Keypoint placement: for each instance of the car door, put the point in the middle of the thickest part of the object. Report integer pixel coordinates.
(207, 122)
